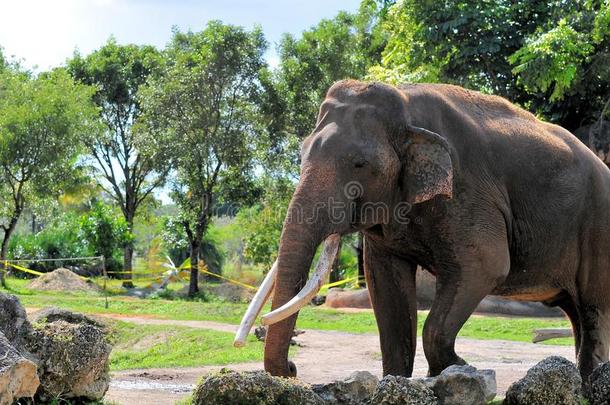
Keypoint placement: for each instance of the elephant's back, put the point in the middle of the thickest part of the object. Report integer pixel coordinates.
(544, 180)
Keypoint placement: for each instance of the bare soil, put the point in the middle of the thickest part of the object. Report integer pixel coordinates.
(62, 280)
(324, 357)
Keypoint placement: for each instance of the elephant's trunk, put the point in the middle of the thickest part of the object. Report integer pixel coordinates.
(297, 248)
(303, 231)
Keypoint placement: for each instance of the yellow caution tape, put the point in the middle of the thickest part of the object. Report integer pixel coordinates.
(203, 270)
(23, 269)
(34, 272)
(143, 279)
(341, 282)
(136, 274)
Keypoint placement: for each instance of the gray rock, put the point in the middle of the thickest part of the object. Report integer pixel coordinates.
(464, 385)
(554, 380)
(14, 322)
(256, 387)
(355, 389)
(396, 390)
(52, 314)
(599, 386)
(73, 357)
(18, 378)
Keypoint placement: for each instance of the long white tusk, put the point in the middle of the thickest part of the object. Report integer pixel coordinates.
(255, 307)
(323, 267)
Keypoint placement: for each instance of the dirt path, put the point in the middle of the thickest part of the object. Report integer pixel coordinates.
(325, 356)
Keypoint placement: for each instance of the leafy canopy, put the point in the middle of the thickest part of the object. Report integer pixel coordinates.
(204, 107)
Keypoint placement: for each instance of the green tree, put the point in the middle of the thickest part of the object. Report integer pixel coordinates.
(340, 48)
(262, 223)
(105, 231)
(205, 107)
(177, 245)
(42, 122)
(131, 163)
(549, 56)
(465, 42)
(563, 66)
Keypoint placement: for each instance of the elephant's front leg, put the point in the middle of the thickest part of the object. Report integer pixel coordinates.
(391, 284)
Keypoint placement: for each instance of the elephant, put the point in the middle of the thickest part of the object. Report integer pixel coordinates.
(477, 191)
(597, 137)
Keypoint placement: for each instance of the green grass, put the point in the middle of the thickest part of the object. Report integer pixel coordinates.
(477, 327)
(147, 346)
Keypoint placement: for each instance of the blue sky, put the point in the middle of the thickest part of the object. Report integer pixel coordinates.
(46, 32)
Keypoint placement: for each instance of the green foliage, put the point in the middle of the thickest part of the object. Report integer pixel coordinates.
(460, 41)
(563, 65)
(59, 239)
(551, 58)
(262, 224)
(42, 120)
(99, 232)
(339, 48)
(177, 244)
(129, 160)
(205, 107)
(106, 233)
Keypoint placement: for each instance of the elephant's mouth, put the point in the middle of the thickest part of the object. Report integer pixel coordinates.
(302, 298)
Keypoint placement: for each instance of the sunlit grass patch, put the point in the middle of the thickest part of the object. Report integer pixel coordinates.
(148, 346)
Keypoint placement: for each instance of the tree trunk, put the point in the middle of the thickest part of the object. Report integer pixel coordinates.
(335, 273)
(8, 231)
(128, 257)
(193, 284)
(360, 253)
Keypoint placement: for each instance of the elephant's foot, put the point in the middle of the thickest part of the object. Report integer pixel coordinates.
(436, 367)
(287, 369)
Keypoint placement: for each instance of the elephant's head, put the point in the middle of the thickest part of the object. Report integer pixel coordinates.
(363, 165)
(597, 137)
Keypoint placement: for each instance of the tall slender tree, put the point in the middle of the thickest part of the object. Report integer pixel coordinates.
(205, 106)
(130, 163)
(42, 122)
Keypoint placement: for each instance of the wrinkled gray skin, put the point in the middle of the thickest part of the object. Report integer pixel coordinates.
(501, 203)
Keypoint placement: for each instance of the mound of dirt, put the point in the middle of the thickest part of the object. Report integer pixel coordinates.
(62, 280)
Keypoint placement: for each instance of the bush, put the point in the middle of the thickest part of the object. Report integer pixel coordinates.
(178, 249)
(99, 232)
(106, 232)
(62, 238)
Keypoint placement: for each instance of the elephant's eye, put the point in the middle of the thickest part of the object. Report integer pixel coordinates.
(358, 164)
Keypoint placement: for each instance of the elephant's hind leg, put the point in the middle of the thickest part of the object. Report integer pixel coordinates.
(391, 284)
(595, 333)
(460, 287)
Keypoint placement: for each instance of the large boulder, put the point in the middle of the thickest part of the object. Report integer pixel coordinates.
(396, 390)
(339, 298)
(72, 354)
(255, 387)
(356, 389)
(18, 378)
(14, 322)
(599, 386)
(554, 380)
(69, 351)
(463, 385)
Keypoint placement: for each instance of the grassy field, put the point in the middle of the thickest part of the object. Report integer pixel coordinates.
(148, 346)
(478, 327)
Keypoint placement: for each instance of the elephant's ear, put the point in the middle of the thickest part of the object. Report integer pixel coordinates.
(428, 168)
